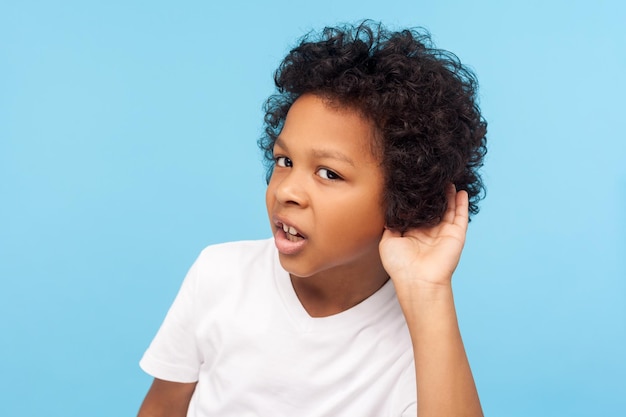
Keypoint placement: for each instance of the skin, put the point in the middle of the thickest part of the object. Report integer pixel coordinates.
(420, 263)
(167, 399)
(328, 184)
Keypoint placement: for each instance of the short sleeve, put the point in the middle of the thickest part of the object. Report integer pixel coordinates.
(173, 354)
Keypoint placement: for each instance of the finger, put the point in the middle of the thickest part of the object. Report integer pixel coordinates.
(450, 213)
(461, 215)
(388, 233)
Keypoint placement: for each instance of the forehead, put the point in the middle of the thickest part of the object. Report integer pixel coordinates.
(326, 127)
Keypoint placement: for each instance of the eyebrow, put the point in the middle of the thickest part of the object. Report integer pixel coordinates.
(321, 153)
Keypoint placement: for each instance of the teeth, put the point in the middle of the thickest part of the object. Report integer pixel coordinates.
(290, 229)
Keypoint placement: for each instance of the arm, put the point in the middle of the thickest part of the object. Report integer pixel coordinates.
(421, 262)
(167, 399)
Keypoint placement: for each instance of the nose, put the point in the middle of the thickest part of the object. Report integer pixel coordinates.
(290, 189)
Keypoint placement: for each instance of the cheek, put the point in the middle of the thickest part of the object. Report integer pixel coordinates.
(358, 218)
(269, 193)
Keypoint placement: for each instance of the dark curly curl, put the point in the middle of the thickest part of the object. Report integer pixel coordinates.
(422, 101)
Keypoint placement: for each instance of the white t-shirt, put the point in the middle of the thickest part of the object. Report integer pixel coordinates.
(239, 330)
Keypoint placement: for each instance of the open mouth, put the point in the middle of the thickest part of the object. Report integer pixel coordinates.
(291, 233)
(288, 240)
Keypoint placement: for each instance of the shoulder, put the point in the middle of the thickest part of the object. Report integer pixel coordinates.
(234, 263)
(237, 254)
(239, 246)
(225, 274)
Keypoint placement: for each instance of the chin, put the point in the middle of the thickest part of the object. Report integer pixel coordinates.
(294, 268)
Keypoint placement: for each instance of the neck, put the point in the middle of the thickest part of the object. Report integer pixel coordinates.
(332, 292)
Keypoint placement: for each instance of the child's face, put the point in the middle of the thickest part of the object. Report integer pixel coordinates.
(326, 188)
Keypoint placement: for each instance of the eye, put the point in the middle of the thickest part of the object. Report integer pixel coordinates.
(327, 174)
(283, 161)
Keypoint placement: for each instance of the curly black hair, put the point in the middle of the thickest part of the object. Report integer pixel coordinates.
(422, 101)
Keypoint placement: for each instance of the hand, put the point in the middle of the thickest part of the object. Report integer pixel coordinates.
(428, 255)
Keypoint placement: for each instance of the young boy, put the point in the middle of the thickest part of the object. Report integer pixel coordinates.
(373, 141)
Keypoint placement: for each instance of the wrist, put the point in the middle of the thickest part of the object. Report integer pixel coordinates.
(423, 291)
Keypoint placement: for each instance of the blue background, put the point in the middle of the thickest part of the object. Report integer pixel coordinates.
(127, 144)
